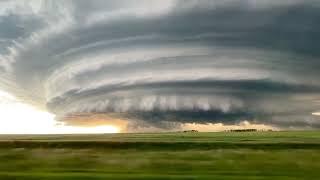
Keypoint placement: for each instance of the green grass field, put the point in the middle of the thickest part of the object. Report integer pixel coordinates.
(225, 155)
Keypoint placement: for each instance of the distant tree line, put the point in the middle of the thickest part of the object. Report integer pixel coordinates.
(247, 130)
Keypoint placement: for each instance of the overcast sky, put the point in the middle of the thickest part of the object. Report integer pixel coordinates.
(165, 63)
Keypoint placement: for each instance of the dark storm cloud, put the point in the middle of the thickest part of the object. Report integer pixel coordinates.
(168, 62)
(291, 28)
(14, 27)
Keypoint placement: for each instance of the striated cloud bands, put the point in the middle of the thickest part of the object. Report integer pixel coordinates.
(165, 63)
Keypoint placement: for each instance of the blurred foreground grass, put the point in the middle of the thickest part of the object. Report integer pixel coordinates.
(254, 155)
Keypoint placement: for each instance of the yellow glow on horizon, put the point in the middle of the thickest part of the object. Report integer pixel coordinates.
(316, 113)
(216, 127)
(19, 118)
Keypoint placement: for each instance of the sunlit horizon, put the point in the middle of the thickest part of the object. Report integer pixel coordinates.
(20, 118)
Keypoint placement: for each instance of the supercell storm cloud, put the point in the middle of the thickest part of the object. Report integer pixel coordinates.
(169, 61)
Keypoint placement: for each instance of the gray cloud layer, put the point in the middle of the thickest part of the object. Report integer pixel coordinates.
(166, 61)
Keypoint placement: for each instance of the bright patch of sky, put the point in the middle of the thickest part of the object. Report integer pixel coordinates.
(20, 118)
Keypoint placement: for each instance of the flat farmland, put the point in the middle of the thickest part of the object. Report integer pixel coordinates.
(221, 155)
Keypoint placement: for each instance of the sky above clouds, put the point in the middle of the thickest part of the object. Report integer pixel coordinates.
(165, 64)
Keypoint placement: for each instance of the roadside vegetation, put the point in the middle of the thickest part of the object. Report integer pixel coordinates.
(225, 155)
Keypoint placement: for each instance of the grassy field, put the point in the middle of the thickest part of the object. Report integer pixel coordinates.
(225, 155)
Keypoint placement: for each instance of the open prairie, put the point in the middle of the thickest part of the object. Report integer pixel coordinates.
(223, 155)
